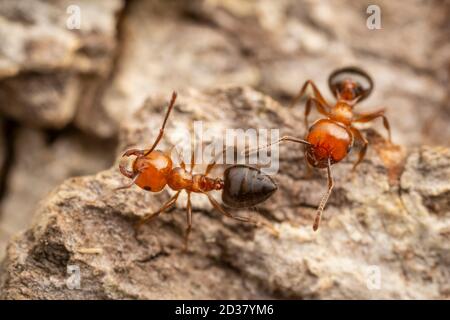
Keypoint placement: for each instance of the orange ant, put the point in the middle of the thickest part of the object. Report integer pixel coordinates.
(330, 139)
(243, 186)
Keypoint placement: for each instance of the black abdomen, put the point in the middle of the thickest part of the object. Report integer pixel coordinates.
(246, 186)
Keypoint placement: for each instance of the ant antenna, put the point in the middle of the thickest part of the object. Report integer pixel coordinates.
(354, 101)
(161, 131)
(325, 197)
(249, 151)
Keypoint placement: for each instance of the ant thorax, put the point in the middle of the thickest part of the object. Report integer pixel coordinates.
(342, 112)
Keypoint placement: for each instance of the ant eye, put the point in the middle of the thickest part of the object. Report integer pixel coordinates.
(350, 78)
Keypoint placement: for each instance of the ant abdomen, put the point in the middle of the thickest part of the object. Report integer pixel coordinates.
(246, 186)
(350, 83)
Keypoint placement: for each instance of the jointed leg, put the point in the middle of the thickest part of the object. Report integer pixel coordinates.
(319, 106)
(161, 131)
(179, 158)
(367, 117)
(213, 162)
(217, 206)
(325, 197)
(169, 151)
(316, 91)
(209, 167)
(309, 169)
(189, 221)
(129, 185)
(357, 135)
(191, 169)
(165, 206)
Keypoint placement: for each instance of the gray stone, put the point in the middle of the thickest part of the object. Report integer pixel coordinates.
(379, 221)
(41, 58)
(38, 166)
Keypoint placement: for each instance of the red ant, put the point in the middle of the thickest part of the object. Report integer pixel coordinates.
(330, 139)
(243, 186)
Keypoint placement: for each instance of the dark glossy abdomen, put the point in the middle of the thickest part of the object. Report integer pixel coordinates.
(246, 186)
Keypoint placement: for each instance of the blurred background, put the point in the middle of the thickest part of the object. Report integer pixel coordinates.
(72, 71)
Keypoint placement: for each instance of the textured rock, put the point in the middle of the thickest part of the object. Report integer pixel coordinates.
(273, 46)
(392, 215)
(291, 41)
(40, 163)
(36, 99)
(2, 144)
(154, 58)
(40, 57)
(3, 235)
(35, 36)
(395, 215)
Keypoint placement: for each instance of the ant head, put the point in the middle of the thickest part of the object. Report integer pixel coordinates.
(350, 83)
(317, 157)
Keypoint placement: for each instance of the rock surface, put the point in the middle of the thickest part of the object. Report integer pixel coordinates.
(3, 169)
(99, 75)
(45, 162)
(42, 56)
(94, 78)
(275, 46)
(391, 218)
(154, 58)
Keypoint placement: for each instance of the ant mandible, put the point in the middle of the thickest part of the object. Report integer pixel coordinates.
(330, 139)
(243, 186)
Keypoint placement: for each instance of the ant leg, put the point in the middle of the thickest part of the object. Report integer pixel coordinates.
(357, 134)
(325, 197)
(213, 162)
(129, 185)
(309, 170)
(316, 91)
(189, 205)
(182, 164)
(210, 167)
(161, 131)
(302, 91)
(284, 138)
(367, 117)
(189, 221)
(307, 111)
(180, 158)
(192, 161)
(219, 208)
(165, 206)
(319, 106)
(169, 151)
